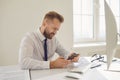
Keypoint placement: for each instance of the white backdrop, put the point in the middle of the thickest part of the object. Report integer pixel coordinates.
(20, 16)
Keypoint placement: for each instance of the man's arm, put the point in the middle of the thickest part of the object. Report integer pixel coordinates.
(61, 50)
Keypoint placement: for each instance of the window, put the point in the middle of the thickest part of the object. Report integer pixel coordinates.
(82, 20)
(88, 19)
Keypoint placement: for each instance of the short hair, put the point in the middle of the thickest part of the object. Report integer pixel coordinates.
(52, 14)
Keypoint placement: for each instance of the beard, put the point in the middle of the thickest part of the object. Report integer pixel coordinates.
(48, 35)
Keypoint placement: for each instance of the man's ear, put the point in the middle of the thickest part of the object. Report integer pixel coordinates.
(45, 23)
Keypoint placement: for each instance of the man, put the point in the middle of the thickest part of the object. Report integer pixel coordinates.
(37, 48)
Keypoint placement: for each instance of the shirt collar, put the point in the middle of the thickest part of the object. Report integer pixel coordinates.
(41, 36)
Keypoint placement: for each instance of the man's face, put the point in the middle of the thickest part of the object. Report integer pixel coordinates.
(52, 26)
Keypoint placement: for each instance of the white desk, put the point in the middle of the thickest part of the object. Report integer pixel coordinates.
(99, 73)
(14, 73)
(59, 74)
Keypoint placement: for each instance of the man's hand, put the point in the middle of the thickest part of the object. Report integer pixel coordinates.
(74, 57)
(59, 63)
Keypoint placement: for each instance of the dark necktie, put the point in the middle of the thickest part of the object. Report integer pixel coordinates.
(45, 49)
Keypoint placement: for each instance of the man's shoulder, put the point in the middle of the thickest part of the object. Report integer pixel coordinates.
(29, 35)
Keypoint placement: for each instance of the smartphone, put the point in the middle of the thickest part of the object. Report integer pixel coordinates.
(72, 56)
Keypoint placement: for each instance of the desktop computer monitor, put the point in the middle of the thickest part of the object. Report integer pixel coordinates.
(111, 33)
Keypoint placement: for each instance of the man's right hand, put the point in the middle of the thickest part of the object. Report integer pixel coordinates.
(59, 63)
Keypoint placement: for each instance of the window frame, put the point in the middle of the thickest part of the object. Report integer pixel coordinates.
(96, 22)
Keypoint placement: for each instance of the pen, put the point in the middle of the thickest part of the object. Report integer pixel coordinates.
(95, 66)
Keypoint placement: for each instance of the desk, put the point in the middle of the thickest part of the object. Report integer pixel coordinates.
(99, 73)
(15, 73)
(59, 74)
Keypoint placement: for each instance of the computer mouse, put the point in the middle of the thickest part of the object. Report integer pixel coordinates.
(74, 75)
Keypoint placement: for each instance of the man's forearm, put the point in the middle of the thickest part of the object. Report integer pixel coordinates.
(52, 65)
(29, 63)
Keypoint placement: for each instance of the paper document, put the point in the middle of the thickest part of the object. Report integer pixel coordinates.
(82, 66)
(12, 73)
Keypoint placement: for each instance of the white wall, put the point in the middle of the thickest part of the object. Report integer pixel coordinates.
(20, 16)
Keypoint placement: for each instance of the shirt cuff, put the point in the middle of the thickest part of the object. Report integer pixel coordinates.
(66, 55)
(47, 64)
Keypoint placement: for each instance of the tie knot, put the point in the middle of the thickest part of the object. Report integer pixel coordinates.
(45, 39)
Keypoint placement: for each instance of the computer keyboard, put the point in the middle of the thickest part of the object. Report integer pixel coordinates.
(81, 66)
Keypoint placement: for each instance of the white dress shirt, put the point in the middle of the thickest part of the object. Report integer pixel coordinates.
(31, 52)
